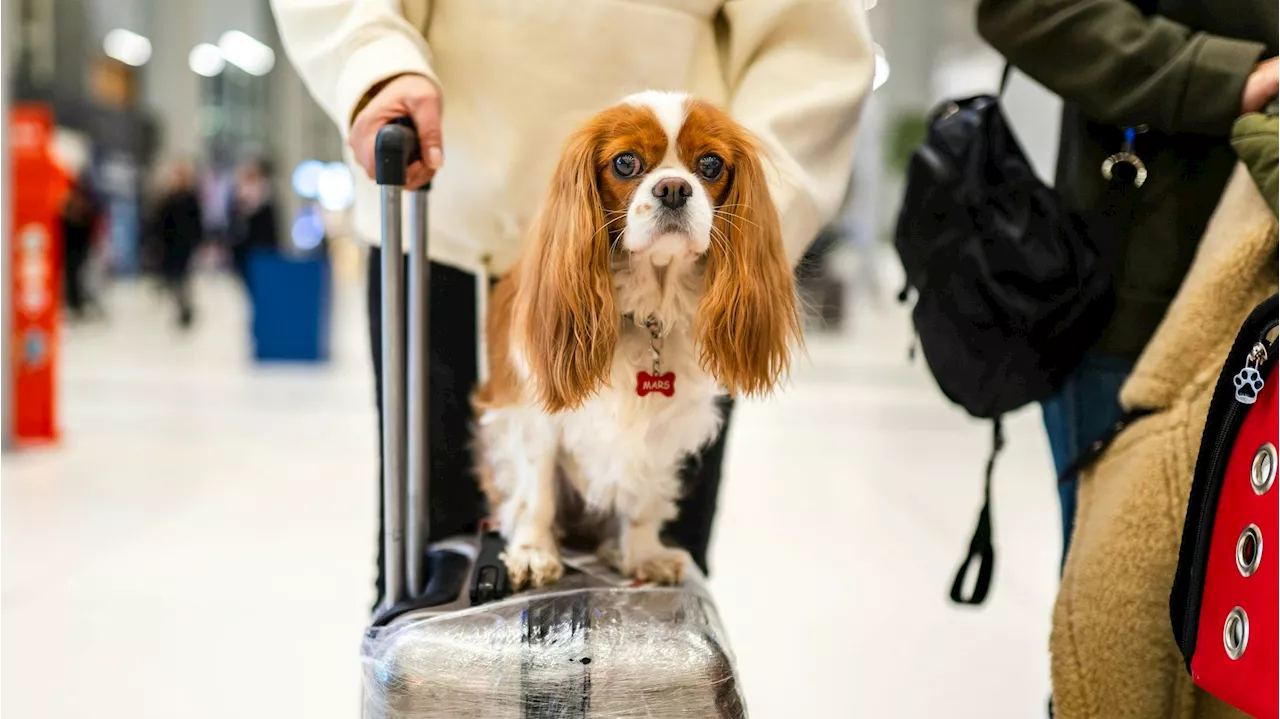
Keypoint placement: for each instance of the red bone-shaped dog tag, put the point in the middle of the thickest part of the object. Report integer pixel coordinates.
(664, 384)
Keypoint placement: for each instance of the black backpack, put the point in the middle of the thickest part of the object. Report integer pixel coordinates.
(1011, 287)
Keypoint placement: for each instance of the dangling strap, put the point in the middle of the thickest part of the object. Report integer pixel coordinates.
(980, 547)
(1004, 78)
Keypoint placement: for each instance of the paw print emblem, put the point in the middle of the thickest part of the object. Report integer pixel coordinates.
(1248, 384)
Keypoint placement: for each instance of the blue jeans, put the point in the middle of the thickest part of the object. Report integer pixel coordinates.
(1079, 413)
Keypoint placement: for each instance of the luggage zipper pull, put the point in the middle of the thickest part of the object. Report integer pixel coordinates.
(1248, 380)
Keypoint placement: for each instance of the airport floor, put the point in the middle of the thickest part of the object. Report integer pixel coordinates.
(200, 544)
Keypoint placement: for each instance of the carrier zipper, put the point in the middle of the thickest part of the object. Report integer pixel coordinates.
(1258, 355)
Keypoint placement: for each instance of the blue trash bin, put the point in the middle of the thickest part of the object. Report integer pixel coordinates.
(291, 307)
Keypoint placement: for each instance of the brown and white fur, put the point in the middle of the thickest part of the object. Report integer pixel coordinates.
(562, 435)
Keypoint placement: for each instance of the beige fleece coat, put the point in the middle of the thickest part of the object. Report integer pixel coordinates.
(517, 76)
(1114, 656)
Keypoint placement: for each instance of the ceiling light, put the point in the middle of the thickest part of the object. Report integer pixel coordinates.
(306, 178)
(206, 60)
(246, 53)
(307, 231)
(335, 187)
(127, 46)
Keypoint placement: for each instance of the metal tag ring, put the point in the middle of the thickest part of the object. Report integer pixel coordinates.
(1263, 472)
(1139, 169)
(1235, 633)
(1249, 550)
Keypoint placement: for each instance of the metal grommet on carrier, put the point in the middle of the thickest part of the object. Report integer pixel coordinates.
(1235, 633)
(1249, 550)
(1263, 472)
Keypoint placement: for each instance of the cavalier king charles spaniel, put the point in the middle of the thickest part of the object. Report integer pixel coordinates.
(654, 280)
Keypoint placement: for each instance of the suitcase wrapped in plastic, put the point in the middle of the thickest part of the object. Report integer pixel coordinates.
(450, 642)
(583, 649)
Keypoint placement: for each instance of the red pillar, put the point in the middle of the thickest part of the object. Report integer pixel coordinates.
(35, 254)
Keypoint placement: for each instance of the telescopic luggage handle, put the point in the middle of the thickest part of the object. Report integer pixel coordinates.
(404, 468)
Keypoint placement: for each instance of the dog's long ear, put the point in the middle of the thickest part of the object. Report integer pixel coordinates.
(566, 313)
(748, 321)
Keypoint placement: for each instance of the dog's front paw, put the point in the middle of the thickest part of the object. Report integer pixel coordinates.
(532, 567)
(666, 566)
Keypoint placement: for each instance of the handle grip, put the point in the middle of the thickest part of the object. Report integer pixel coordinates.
(404, 375)
(394, 149)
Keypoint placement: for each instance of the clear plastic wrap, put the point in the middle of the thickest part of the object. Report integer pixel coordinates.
(585, 650)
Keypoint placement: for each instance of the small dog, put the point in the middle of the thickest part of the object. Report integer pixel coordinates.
(655, 280)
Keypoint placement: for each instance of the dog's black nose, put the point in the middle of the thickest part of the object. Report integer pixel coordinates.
(673, 192)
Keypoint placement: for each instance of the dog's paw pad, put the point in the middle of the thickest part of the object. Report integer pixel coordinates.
(665, 567)
(532, 567)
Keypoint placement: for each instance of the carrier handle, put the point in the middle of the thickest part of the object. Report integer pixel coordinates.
(404, 428)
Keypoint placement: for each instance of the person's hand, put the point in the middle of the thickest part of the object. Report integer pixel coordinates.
(408, 95)
(1262, 86)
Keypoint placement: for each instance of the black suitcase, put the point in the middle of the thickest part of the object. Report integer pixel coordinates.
(450, 641)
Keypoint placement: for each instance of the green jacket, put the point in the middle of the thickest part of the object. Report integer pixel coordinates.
(1256, 139)
(1177, 66)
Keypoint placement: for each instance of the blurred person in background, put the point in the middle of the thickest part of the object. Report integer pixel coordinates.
(180, 229)
(81, 216)
(253, 217)
(515, 83)
(216, 192)
(1179, 73)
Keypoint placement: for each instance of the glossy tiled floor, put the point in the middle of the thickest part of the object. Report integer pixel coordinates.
(200, 544)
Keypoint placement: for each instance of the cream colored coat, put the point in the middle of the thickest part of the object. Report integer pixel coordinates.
(1114, 655)
(518, 75)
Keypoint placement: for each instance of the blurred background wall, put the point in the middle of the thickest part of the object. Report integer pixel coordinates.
(136, 84)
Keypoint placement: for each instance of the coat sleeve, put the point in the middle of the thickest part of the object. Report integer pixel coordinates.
(798, 72)
(1122, 67)
(344, 48)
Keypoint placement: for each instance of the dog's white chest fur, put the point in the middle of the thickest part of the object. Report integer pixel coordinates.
(619, 443)
(620, 451)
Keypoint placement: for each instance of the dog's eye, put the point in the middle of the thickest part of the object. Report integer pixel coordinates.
(627, 165)
(710, 167)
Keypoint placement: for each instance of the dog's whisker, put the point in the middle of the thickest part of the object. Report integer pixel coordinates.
(731, 224)
(605, 226)
(738, 217)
